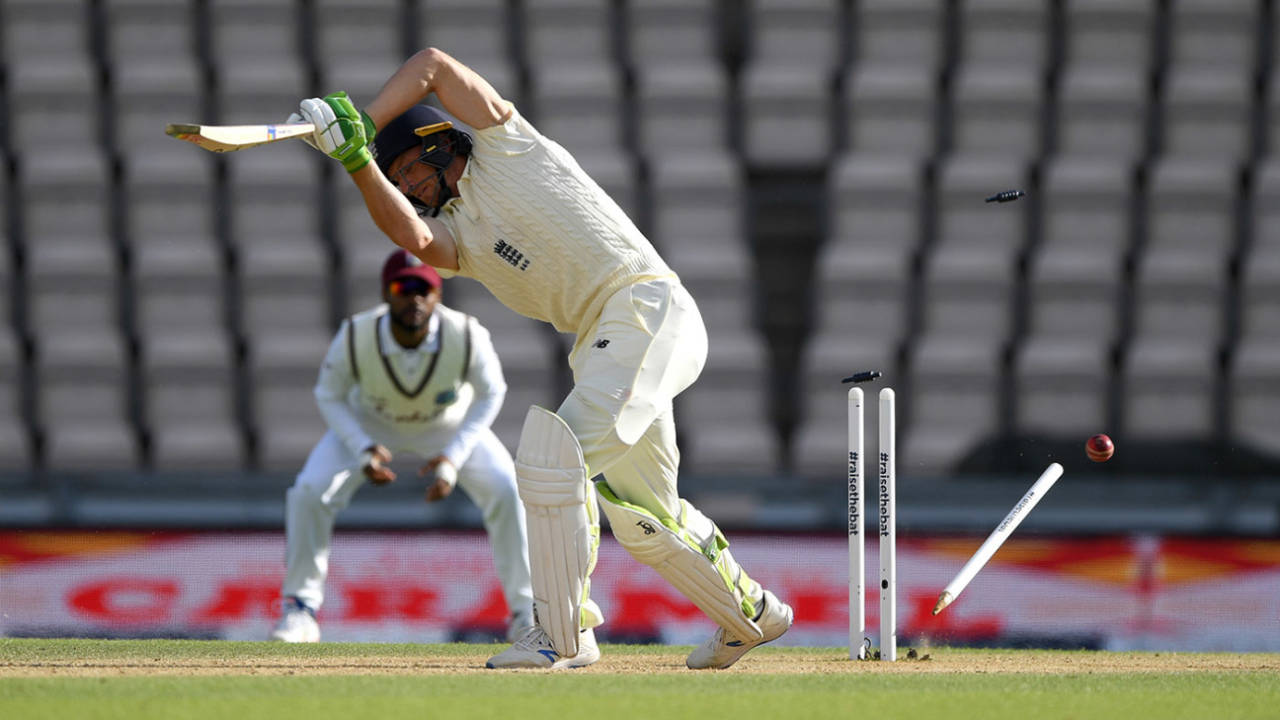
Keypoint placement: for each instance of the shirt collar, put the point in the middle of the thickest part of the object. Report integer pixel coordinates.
(460, 201)
(389, 345)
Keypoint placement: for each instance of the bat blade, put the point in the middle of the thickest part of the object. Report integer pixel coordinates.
(226, 138)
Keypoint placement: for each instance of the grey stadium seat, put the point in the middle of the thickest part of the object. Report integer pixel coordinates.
(786, 115)
(580, 107)
(1220, 34)
(1116, 36)
(51, 81)
(996, 109)
(1102, 111)
(1208, 112)
(953, 403)
(1181, 273)
(82, 402)
(898, 34)
(190, 402)
(968, 272)
(1076, 272)
(156, 79)
(1260, 288)
(793, 54)
(1061, 385)
(681, 110)
(274, 194)
(1254, 399)
(475, 32)
(568, 33)
(890, 108)
(15, 449)
(257, 55)
(672, 34)
(360, 42)
(1014, 32)
(795, 33)
(1169, 385)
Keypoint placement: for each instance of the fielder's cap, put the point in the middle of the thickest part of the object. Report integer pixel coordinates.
(406, 132)
(402, 264)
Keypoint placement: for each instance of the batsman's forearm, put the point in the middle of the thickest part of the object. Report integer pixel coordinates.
(406, 88)
(396, 218)
(467, 96)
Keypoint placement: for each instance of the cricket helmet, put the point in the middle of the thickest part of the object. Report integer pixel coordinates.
(429, 129)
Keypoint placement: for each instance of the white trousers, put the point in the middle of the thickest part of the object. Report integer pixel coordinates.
(331, 476)
(648, 346)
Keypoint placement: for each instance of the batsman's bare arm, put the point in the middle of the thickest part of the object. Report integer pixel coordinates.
(465, 94)
(427, 238)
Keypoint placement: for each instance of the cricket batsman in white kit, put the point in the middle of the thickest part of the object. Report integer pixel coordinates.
(513, 210)
(409, 376)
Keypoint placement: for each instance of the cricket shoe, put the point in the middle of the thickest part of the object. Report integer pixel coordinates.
(519, 624)
(298, 624)
(723, 649)
(534, 650)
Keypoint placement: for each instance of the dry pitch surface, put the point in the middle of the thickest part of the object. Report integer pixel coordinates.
(211, 680)
(124, 658)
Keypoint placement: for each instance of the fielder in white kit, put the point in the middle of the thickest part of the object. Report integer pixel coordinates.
(408, 376)
(512, 209)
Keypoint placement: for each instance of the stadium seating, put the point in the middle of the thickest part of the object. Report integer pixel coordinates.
(165, 310)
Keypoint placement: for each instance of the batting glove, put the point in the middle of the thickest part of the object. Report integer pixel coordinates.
(342, 131)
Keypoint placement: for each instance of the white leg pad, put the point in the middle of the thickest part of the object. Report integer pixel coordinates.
(563, 525)
(693, 556)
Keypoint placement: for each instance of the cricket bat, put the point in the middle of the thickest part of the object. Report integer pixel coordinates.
(225, 138)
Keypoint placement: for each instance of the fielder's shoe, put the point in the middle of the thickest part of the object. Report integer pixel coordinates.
(723, 649)
(534, 650)
(298, 624)
(519, 624)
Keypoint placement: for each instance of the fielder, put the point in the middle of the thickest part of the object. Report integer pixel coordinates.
(513, 210)
(408, 376)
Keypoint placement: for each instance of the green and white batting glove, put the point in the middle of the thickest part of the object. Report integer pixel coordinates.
(342, 131)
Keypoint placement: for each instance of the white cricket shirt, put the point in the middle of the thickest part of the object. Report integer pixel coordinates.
(539, 233)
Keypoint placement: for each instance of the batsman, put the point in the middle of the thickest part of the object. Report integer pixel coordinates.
(508, 207)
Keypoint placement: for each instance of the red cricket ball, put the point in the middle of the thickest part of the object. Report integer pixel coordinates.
(1100, 448)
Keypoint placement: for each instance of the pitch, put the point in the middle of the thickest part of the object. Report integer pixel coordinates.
(214, 679)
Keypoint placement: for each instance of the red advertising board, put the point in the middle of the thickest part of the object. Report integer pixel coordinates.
(1119, 593)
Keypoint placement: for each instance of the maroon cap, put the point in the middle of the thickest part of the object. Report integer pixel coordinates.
(402, 263)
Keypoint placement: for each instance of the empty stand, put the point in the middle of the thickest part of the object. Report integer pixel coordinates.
(793, 54)
(890, 108)
(1220, 34)
(1207, 113)
(1102, 111)
(359, 43)
(1003, 32)
(475, 32)
(1117, 36)
(260, 74)
(890, 34)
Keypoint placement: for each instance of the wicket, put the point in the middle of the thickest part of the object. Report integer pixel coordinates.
(887, 467)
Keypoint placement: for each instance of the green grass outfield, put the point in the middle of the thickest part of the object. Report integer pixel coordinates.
(132, 680)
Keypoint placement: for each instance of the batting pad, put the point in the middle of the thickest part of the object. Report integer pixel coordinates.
(563, 525)
(692, 555)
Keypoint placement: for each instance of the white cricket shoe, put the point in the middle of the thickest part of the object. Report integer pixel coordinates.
(534, 650)
(297, 624)
(723, 649)
(519, 624)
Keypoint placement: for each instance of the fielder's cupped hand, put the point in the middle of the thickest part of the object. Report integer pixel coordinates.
(374, 465)
(342, 131)
(444, 474)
